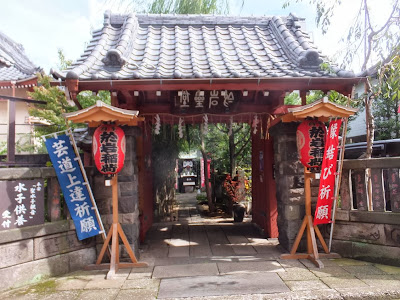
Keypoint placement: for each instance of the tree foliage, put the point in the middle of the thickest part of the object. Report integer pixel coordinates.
(373, 39)
(314, 95)
(366, 36)
(57, 104)
(226, 151)
(51, 112)
(188, 6)
(387, 91)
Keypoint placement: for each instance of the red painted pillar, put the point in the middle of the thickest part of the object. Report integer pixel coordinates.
(264, 204)
(270, 189)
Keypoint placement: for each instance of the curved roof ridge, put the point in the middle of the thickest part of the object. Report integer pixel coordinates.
(210, 46)
(16, 65)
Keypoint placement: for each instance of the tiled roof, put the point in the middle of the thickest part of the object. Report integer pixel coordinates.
(198, 46)
(14, 65)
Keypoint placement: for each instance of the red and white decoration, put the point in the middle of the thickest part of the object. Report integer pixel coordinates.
(255, 124)
(180, 128)
(328, 174)
(109, 148)
(310, 138)
(157, 127)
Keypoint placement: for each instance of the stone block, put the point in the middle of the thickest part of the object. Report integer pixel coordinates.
(131, 131)
(288, 150)
(59, 243)
(33, 271)
(20, 173)
(131, 218)
(99, 189)
(128, 204)
(342, 215)
(81, 258)
(284, 130)
(125, 189)
(296, 192)
(362, 232)
(48, 172)
(314, 191)
(288, 231)
(344, 248)
(130, 179)
(392, 234)
(130, 146)
(104, 206)
(33, 231)
(135, 249)
(127, 170)
(16, 253)
(131, 231)
(292, 212)
(288, 168)
(298, 181)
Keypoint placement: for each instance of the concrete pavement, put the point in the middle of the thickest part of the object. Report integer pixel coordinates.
(213, 258)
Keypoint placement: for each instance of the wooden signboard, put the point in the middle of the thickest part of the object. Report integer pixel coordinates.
(360, 189)
(22, 203)
(345, 198)
(216, 101)
(378, 197)
(394, 190)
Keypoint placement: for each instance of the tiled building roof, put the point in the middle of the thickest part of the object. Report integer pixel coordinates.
(14, 64)
(198, 46)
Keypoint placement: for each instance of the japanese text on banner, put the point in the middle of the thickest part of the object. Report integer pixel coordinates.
(73, 186)
(328, 172)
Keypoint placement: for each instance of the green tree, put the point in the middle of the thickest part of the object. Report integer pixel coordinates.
(188, 6)
(314, 95)
(52, 112)
(367, 36)
(387, 103)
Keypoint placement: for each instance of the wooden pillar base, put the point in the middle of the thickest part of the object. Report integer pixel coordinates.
(312, 255)
(115, 233)
(310, 230)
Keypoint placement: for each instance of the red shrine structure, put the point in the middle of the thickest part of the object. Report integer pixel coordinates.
(227, 69)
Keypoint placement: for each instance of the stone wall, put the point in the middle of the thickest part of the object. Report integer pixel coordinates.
(30, 254)
(368, 235)
(372, 231)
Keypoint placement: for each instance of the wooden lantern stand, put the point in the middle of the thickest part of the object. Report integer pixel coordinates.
(114, 234)
(95, 116)
(323, 110)
(308, 227)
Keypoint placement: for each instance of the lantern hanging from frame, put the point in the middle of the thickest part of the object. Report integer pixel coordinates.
(310, 137)
(109, 149)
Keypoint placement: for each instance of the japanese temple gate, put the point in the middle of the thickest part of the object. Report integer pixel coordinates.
(225, 68)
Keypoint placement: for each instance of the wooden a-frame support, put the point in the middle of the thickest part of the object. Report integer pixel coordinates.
(113, 236)
(310, 229)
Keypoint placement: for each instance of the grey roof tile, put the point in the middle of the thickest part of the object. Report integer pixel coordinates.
(198, 46)
(14, 64)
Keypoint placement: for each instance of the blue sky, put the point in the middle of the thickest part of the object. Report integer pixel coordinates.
(43, 26)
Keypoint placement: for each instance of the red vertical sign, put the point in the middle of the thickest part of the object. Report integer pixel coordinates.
(328, 171)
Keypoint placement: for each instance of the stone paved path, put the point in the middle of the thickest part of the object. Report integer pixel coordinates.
(214, 258)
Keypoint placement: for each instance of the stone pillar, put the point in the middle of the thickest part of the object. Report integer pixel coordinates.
(289, 177)
(128, 191)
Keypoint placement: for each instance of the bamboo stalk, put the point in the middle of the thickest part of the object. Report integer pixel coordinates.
(338, 180)
(103, 232)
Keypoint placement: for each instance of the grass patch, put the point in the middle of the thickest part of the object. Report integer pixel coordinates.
(44, 287)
